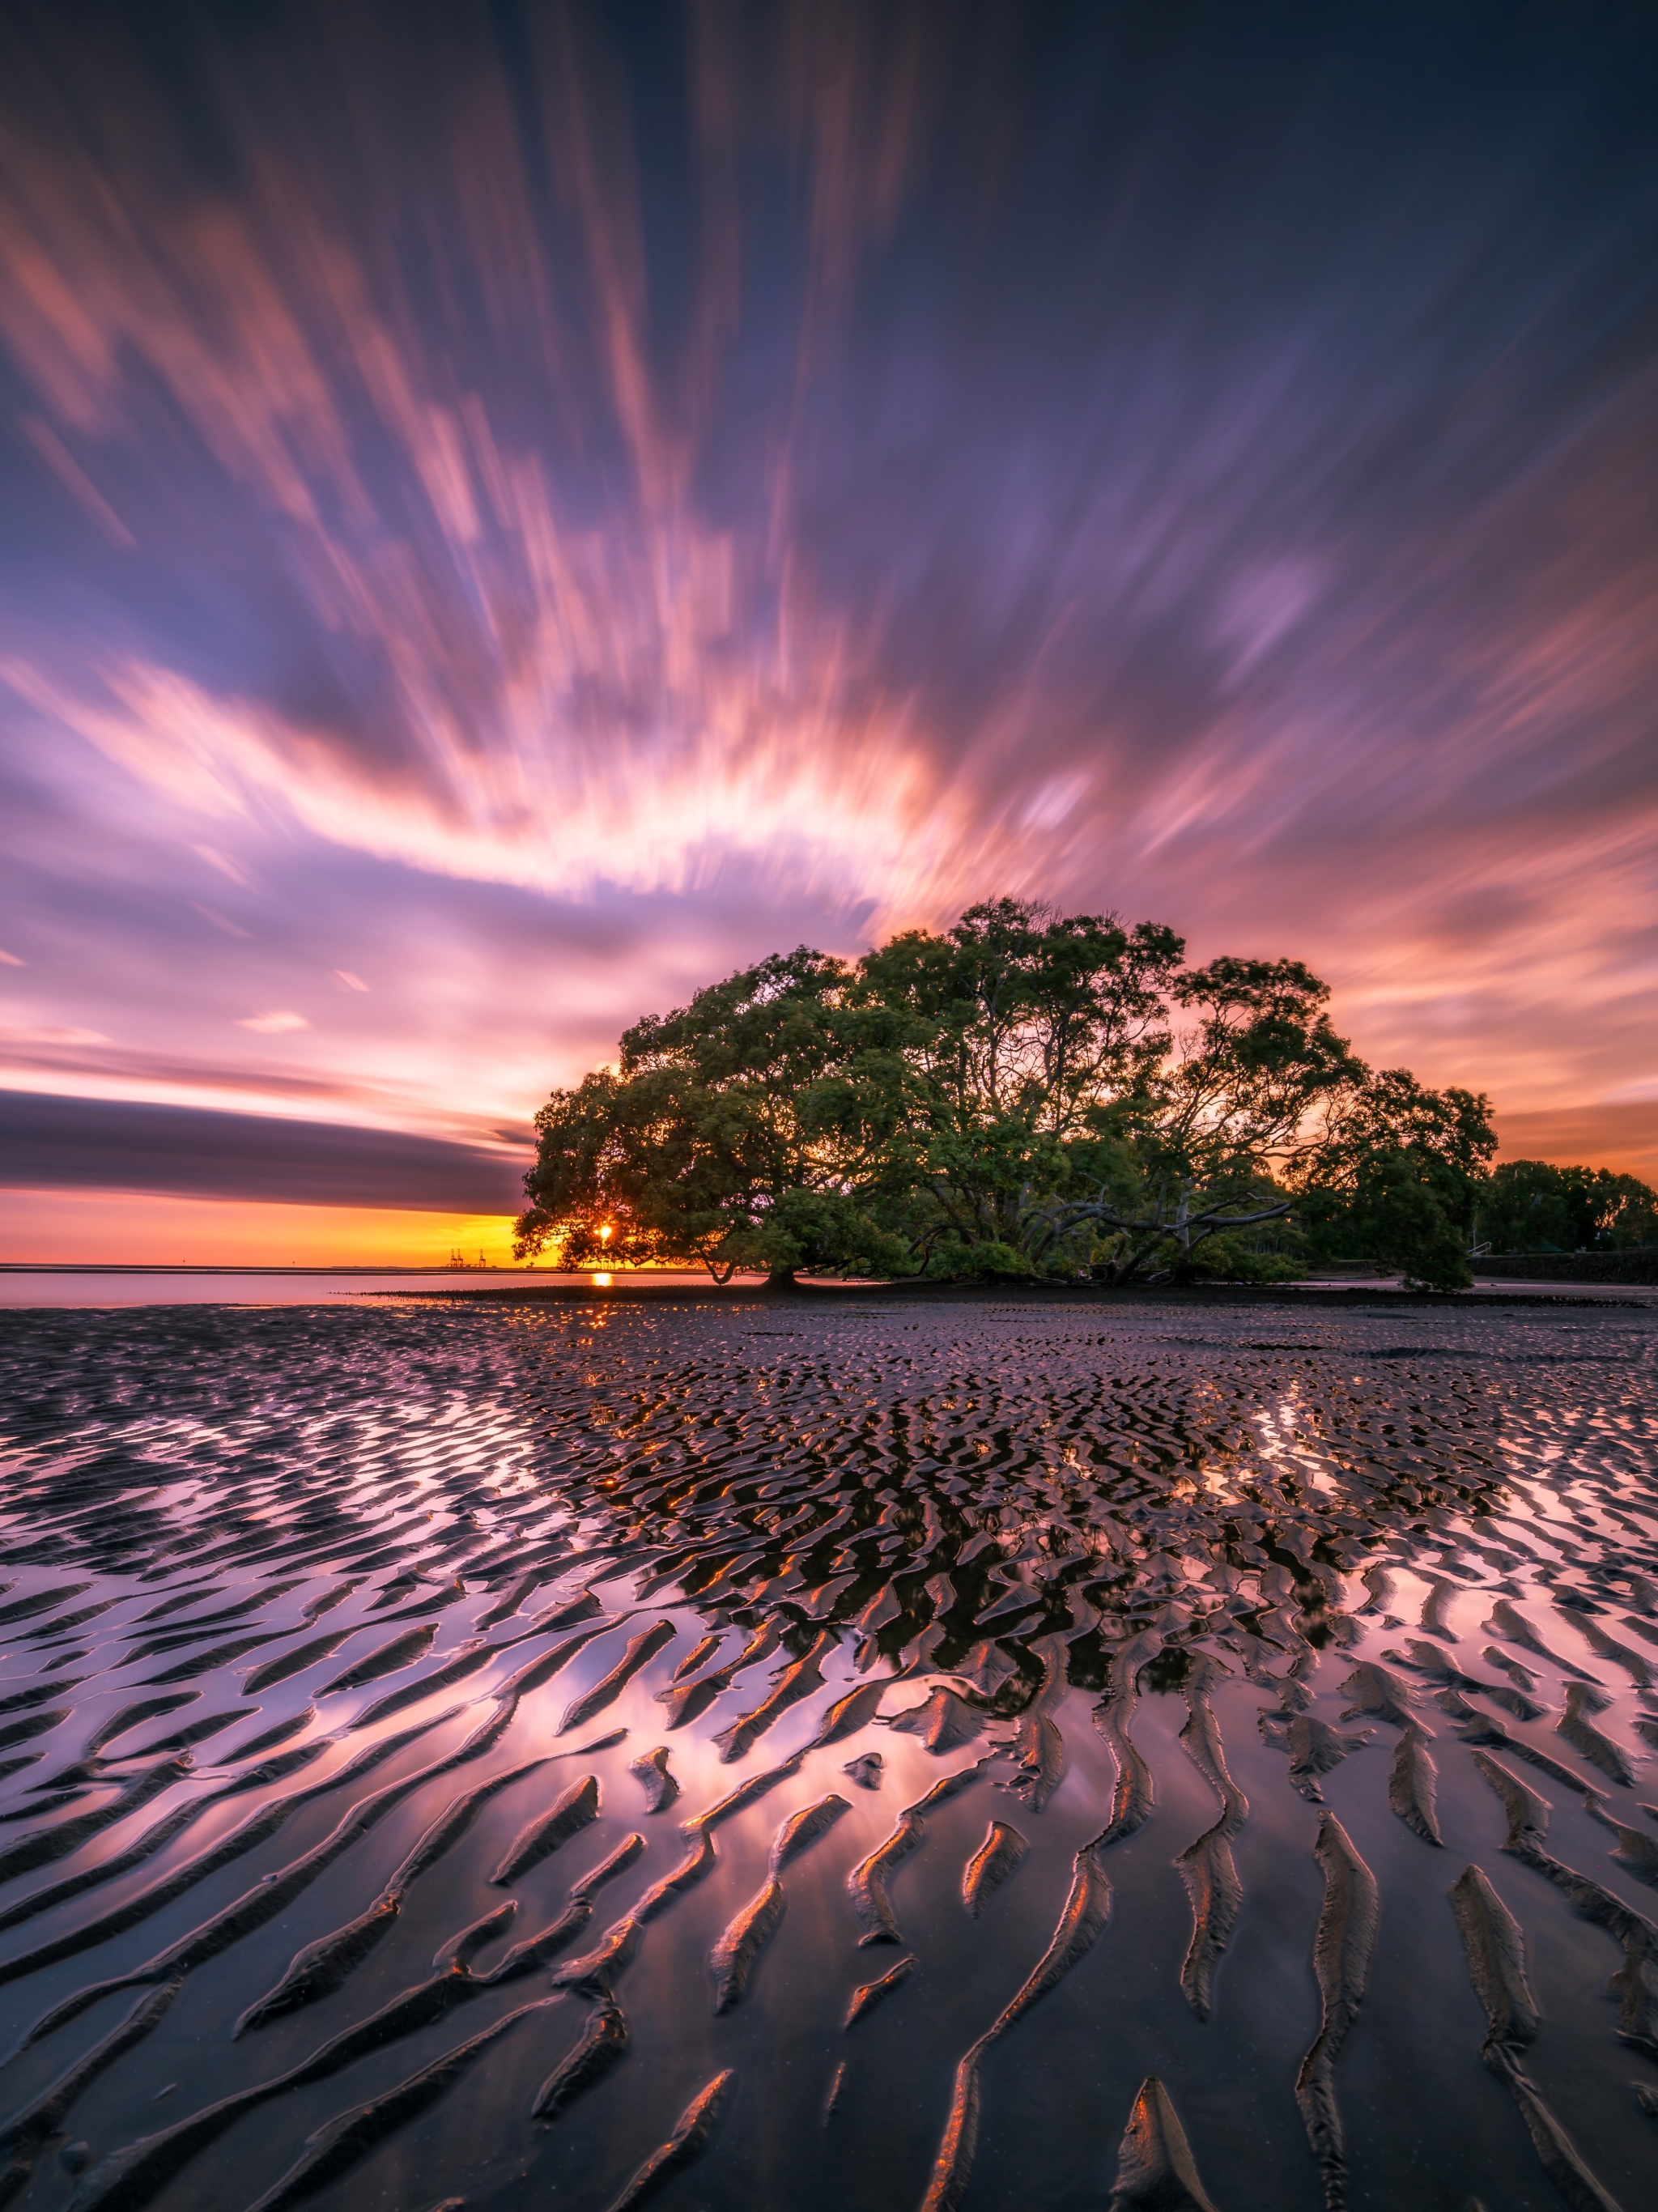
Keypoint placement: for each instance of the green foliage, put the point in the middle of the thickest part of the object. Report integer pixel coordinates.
(1398, 1179)
(1246, 1256)
(739, 1131)
(1028, 1095)
(931, 1108)
(1239, 1100)
(1529, 1205)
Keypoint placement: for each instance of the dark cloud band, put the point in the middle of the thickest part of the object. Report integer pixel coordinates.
(98, 1143)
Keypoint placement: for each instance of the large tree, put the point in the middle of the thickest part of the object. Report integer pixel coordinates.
(1027, 1093)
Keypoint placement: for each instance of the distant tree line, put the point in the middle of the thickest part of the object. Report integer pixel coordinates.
(1028, 1095)
(1529, 1205)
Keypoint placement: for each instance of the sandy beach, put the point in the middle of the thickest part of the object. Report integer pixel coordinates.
(795, 1755)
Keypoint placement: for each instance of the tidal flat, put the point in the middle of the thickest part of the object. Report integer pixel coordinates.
(991, 1755)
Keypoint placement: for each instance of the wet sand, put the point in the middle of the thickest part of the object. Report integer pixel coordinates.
(913, 1754)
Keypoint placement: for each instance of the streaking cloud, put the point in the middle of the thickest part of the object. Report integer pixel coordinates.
(519, 510)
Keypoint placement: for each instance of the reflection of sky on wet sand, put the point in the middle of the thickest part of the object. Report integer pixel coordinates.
(511, 516)
(249, 1521)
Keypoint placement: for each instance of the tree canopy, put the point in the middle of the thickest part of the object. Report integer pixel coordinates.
(1025, 1094)
(1530, 1206)
(1399, 1175)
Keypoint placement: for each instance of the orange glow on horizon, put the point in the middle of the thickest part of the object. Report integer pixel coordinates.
(133, 1229)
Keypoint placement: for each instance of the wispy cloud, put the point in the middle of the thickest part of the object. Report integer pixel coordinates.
(219, 921)
(20, 1034)
(58, 1144)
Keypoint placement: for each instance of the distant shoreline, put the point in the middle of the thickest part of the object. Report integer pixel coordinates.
(249, 1268)
(65, 1285)
(1102, 1295)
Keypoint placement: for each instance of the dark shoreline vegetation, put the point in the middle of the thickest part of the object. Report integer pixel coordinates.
(1035, 1097)
(922, 1292)
(939, 1752)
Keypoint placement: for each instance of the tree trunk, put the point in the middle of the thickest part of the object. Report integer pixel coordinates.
(782, 1278)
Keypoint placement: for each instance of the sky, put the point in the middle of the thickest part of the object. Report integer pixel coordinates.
(509, 513)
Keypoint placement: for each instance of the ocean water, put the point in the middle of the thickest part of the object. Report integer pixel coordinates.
(278, 1286)
(984, 1755)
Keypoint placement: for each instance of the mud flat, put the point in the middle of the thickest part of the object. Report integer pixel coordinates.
(906, 1753)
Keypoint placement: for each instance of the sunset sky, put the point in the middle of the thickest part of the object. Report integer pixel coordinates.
(508, 512)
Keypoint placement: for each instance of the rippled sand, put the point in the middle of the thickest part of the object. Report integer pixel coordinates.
(972, 1755)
